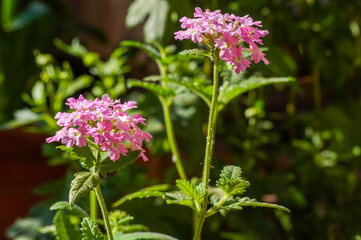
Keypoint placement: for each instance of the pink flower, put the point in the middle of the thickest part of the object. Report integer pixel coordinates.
(240, 63)
(228, 33)
(226, 44)
(104, 122)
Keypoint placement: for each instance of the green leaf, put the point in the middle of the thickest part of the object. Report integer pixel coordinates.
(230, 181)
(155, 88)
(157, 12)
(64, 229)
(254, 203)
(63, 205)
(196, 52)
(142, 236)
(190, 190)
(239, 203)
(108, 166)
(90, 230)
(81, 185)
(152, 191)
(151, 51)
(229, 92)
(180, 199)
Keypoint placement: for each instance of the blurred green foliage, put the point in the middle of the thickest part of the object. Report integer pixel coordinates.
(300, 145)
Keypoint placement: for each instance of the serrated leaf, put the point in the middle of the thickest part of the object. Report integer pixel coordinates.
(180, 199)
(155, 88)
(90, 230)
(142, 236)
(157, 12)
(233, 90)
(196, 52)
(188, 189)
(239, 203)
(109, 166)
(151, 51)
(81, 185)
(63, 205)
(231, 182)
(152, 191)
(64, 229)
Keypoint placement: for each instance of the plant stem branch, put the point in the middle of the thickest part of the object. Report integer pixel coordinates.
(171, 139)
(209, 149)
(104, 211)
(169, 125)
(93, 206)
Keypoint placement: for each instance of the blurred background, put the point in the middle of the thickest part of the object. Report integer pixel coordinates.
(299, 145)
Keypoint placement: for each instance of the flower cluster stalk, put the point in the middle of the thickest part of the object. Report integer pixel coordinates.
(93, 206)
(103, 207)
(209, 150)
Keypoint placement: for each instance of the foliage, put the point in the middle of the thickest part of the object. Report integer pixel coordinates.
(298, 146)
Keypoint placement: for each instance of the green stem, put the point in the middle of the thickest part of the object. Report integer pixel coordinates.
(104, 211)
(171, 139)
(93, 206)
(209, 149)
(169, 125)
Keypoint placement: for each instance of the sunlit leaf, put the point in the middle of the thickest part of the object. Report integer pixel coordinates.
(231, 182)
(90, 230)
(152, 191)
(197, 52)
(81, 185)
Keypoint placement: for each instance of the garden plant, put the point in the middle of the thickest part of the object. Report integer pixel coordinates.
(109, 121)
(106, 139)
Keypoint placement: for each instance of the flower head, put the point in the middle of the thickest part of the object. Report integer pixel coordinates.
(104, 122)
(227, 32)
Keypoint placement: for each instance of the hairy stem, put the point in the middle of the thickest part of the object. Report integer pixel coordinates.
(103, 207)
(209, 150)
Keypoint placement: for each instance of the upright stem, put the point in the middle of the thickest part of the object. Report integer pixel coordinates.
(171, 139)
(93, 206)
(209, 150)
(104, 211)
(169, 125)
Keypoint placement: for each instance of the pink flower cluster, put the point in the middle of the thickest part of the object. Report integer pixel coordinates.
(233, 36)
(103, 122)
